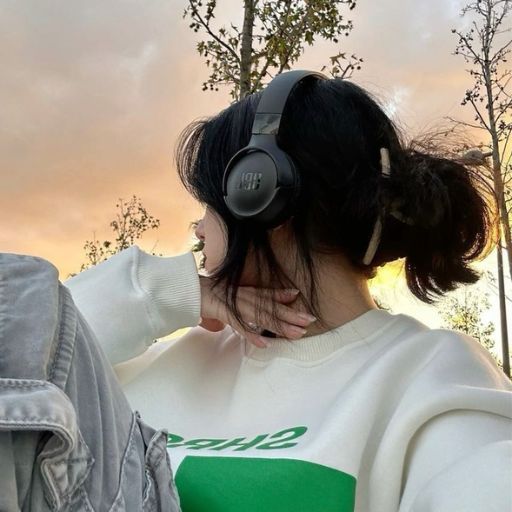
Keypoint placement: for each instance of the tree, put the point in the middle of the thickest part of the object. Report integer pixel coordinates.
(486, 47)
(131, 222)
(462, 311)
(272, 38)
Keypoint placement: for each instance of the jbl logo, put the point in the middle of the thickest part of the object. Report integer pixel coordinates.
(250, 181)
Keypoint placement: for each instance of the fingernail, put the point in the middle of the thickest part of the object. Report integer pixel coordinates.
(298, 330)
(294, 291)
(306, 317)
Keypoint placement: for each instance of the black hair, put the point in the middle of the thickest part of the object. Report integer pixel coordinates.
(334, 129)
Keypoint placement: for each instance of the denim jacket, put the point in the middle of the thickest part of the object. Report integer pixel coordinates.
(69, 440)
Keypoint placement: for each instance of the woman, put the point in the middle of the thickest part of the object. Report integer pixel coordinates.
(353, 408)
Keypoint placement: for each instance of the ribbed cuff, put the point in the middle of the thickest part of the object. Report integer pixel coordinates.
(173, 286)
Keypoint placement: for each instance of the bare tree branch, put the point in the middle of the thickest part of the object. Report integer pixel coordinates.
(482, 120)
(465, 123)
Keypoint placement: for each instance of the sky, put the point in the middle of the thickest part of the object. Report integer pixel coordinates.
(94, 95)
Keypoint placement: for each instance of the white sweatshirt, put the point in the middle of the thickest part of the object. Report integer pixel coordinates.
(381, 414)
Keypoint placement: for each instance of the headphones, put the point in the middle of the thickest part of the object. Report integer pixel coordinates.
(260, 181)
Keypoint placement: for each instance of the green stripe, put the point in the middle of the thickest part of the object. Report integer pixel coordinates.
(241, 484)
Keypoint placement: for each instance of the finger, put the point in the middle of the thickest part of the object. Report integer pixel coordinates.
(291, 316)
(223, 315)
(285, 314)
(257, 340)
(253, 338)
(286, 298)
(265, 320)
(283, 296)
(280, 294)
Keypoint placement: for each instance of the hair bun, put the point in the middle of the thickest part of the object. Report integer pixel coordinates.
(424, 195)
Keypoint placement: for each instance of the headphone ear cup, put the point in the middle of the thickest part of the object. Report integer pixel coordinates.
(249, 183)
(261, 185)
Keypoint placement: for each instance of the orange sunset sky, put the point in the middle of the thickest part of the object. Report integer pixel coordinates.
(94, 94)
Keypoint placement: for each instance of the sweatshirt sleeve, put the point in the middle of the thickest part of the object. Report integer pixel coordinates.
(460, 461)
(133, 298)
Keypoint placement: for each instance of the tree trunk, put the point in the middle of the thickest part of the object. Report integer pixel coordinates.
(493, 132)
(498, 186)
(500, 191)
(503, 311)
(246, 48)
(506, 228)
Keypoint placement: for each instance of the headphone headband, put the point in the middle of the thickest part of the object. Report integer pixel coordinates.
(273, 100)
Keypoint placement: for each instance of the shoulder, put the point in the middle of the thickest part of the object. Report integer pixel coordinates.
(440, 351)
(446, 370)
(194, 349)
(459, 357)
(424, 372)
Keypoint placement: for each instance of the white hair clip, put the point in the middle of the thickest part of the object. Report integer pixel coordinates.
(385, 165)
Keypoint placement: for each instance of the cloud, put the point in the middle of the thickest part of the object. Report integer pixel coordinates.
(400, 96)
(94, 94)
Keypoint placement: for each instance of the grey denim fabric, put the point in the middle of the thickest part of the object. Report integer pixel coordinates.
(69, 440)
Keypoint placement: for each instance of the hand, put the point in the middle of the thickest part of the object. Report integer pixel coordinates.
(215, 315)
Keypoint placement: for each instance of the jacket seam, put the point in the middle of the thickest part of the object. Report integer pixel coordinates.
(68, 319)
(127, 452)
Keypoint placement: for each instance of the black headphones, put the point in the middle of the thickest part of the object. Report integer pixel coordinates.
(261, 181)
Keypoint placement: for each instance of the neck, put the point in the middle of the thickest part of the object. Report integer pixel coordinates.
(342, 293)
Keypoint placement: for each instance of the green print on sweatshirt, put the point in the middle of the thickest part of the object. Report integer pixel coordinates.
(236, 484)
(261, 442)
